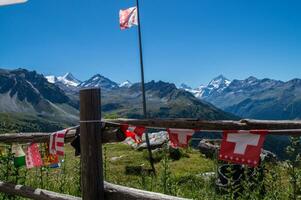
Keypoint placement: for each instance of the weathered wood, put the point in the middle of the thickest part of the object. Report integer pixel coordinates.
(114, 192)
(91, 150)
(275, 127)
(32, 137)
(108, 135)
(28, 192)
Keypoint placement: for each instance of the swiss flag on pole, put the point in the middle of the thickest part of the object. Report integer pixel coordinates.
(134, 132)
(180, 137)
(128, 18)
(242, 147)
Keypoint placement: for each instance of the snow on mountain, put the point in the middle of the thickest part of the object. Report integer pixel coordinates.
(68, 79)
(98, 81)
(216, 85)
(126, 84)
(51, 79)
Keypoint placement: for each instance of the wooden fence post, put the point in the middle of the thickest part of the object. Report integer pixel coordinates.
(90, 142)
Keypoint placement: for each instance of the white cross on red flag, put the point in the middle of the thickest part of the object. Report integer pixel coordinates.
(128, 18)
(56, 144)
(180, 137)
(134, 132)
(242, 147)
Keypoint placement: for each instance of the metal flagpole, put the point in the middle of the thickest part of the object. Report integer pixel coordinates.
(143, 89)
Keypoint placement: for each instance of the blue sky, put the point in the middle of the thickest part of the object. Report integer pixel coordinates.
(187, 41)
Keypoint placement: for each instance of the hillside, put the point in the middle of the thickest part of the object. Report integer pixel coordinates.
(164, 100)
(29, 93)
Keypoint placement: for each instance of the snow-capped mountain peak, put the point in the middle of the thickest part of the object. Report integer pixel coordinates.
(218, 82)
(51, 79)
(68, 79)
(216, 85)
(98, 81)
(126, 84)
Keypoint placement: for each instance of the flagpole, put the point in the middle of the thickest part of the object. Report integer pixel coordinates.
(143, 88)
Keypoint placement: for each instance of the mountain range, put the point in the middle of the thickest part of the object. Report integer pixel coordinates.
(253, 97)
(164, 100)
(248, 98)
(27, 94)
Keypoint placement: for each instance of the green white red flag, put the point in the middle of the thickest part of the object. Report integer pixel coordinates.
(19, 155)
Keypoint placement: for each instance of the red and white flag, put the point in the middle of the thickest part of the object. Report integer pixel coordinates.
(128, 18)
(56, 144)
(180, 137)
(242, 147)
(33, 156)
(134, 132)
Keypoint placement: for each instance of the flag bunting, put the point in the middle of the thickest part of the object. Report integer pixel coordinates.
(180, 137)
(134, 132)
(33, 156)
(56, 144)
(242, 147)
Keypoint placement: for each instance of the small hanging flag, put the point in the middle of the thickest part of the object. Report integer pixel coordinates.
(242, 147)
(128, 18)
(56, 144)
(19, 155)
(180, 137)
(50, 159)
(33, 156)
(134, 132)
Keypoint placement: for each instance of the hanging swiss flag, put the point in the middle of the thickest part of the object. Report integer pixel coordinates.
(134, 132)
(128, 18)
(242, 147)
(180, 137)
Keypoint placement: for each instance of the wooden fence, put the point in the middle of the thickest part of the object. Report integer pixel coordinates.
(94, 132)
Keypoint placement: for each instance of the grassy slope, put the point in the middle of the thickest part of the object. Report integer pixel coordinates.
(18, 122)
(178, 178)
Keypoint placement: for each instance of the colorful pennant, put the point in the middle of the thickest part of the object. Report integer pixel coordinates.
(50, 159)
(33, 156)
(128, 18)
(242, 147)
(180, 137)
(56, 143)
(19, 155)
(134, 132)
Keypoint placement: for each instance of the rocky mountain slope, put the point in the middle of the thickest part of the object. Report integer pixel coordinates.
(27, 92)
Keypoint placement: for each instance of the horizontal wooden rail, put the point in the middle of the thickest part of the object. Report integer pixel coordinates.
(112, 192)
(28, 192)
(108, 135)
(276, 127)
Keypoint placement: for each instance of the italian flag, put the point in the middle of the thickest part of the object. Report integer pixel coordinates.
(19, 155)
